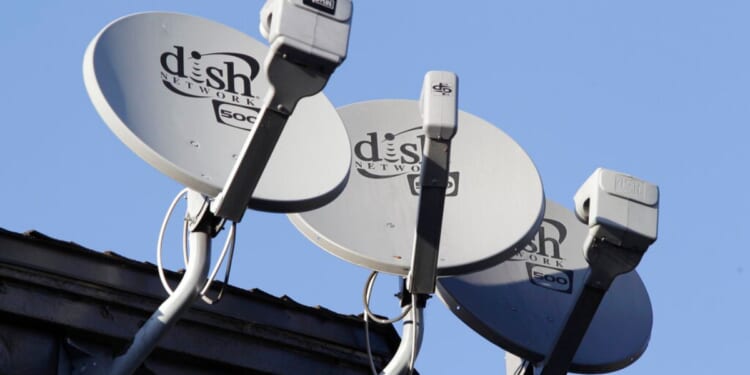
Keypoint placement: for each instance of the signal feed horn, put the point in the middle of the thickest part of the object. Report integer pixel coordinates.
(317, 28)
(438, 104)
(619, 209)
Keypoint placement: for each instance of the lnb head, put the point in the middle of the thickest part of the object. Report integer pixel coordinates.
(618, 208)
(317, 30)
(438, 104)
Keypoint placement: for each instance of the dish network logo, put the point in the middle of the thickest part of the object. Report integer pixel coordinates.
(396, 154)
(224, 77)
(544, 248)
(544, 261)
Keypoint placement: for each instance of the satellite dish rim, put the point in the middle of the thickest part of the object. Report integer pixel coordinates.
(472, 321)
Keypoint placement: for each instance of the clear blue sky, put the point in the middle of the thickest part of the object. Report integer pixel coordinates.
(660, 90)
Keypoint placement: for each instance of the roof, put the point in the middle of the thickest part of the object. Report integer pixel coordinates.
(60, 302)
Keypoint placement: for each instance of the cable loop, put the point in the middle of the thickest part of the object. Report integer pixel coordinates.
(160, 241)
(366, 299)
(228, 248)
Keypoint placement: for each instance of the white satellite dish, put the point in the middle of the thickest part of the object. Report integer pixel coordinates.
(186, 95)
(183, 92)
(521, 304)
(482, 198)
(493, 205)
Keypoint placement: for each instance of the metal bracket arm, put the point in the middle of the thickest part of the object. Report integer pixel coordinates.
(622, 213)
(290, 82)
(433, 184)
(438, 105)
(607, 261)
(308, 41)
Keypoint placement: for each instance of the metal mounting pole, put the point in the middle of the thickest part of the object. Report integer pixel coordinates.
(175, 306)
(411, 339)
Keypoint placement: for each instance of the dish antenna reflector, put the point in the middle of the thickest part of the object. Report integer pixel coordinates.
(184, 93)
(187, 95)
(493, 203)
(432, 191)
(521, 304)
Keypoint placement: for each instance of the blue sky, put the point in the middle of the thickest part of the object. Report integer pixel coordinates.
(656, 89)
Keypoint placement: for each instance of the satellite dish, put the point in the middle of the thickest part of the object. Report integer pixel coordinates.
(521, 304)
(183, 92)
(494, 201)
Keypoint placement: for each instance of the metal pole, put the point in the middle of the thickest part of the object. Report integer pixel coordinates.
(173, 307)
(411, 336)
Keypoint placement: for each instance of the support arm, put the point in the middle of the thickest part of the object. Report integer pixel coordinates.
(438, 104)
(308, 42)
(622, 214)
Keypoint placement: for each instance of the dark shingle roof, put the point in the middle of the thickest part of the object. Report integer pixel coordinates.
(67, 297)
